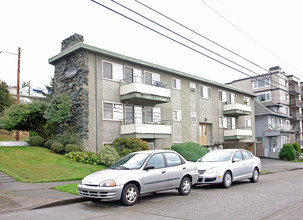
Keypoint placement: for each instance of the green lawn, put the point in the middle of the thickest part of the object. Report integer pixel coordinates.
(69, 188)
(36, 164)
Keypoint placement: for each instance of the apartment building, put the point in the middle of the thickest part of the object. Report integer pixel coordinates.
(119, 96)
(284, 91)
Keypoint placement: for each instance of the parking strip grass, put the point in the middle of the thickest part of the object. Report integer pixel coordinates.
(69, 188)
(37, 164)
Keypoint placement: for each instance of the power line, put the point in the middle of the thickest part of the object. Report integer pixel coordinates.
(195, 32)
(183, 37)
(137, 22)
(217, 44)
(248, 36)
(170, 38)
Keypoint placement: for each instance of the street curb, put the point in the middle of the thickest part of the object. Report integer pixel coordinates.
(61, 202)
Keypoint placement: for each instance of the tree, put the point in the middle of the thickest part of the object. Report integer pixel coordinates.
(37, 116)
(25, 117)
(6, 99)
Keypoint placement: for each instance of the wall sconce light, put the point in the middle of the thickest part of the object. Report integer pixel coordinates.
(205, 119)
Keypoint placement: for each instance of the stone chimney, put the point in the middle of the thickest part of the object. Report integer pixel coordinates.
(71, 41)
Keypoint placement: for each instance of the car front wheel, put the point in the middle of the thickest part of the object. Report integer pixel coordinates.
(185, 186)
(227, 180)
(255, 176)
(129, 194)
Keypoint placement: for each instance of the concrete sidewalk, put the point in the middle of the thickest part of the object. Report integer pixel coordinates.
(16, 196)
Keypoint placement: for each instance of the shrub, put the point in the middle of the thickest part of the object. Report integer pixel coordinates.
(108, 155)
(190, 151)
(48, 143)
(68, 138)
(297, 147)
(36, 141)
(72, 147)
(57, 148)
(125, 146)
(84, 157)
(287, 152)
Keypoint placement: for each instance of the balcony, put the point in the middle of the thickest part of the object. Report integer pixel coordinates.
(237, 134)
(135, 92)
(236, 109)
(153, 130)
(296, 103)
(296, 117)
(277, 131)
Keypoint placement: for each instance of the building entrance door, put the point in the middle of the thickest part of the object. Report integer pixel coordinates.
(204, 130)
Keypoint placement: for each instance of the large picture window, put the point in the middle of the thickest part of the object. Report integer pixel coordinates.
(260, 83)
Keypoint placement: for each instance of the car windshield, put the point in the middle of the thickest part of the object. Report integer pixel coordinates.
(130, 161)
(216, 156)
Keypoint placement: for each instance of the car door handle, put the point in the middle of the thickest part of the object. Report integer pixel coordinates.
(163, 172)
(184, 168)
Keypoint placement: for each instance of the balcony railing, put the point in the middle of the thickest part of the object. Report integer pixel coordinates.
(147, 129)
(296, 117)
(238, 133)
(296, 103)
(236, 109)
(147, 92)
(294, 89)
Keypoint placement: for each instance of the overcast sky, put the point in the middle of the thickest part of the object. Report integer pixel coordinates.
(266, 32)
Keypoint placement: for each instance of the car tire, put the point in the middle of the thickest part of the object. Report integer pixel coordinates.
(227, 180)
(185, 186)
(255, 176)
(130, 194)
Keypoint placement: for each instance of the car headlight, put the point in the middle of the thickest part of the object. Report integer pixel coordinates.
(212, 170)
(108, 183)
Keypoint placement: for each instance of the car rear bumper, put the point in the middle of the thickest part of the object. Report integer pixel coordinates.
(97, 192)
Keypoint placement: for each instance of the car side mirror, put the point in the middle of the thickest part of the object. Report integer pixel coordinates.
(149, 167)
(236, 160)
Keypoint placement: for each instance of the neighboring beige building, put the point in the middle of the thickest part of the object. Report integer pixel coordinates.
(118, 96)
(281, 89)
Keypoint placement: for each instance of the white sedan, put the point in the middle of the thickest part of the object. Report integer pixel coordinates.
(138, 173)
(227, 166)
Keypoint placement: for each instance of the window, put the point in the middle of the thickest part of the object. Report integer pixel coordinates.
(286, 97)
(287, 110)
(172, 159)
(220, 122)
(157, 161)
(246, 155)
(238, 155)
(148, 115)
(129, 114)
(112, 111)
(205, 92)
(247, 123)
(246, 100)
(260, 83)
(224, 122)
(227, 97)
(128, 74)
(177, 115)
(263, 97)
(148, 79)
(193, 116)
(227, 122)
(220, 97)
(231, 123)
(193, 87)
(112, 71)
(176, 83)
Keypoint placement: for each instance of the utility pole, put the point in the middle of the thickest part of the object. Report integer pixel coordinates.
(18, 85)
